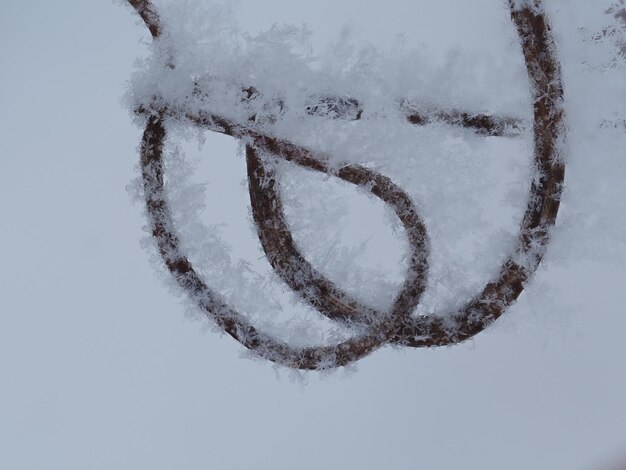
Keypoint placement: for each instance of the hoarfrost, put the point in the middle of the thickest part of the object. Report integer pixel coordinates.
(471, 190)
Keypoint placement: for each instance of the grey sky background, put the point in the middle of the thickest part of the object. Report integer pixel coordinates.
(100, 368)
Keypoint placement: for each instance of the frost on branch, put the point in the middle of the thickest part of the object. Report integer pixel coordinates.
(363, 126)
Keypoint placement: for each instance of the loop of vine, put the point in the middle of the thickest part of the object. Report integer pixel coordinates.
(372, 328)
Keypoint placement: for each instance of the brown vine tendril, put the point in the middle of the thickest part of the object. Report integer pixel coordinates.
(372, 328)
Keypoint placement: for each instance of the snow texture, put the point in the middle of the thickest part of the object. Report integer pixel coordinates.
(471, 190)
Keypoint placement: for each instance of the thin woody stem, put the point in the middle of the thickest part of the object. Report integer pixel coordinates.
(375, 328)
(148, 14)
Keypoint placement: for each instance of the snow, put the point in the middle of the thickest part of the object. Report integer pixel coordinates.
(101, 370)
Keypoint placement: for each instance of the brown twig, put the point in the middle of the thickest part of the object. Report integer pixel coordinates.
(375, 328)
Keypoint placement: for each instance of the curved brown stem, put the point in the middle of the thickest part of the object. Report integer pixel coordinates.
(297, 272)
(397, 325)
(148, 14)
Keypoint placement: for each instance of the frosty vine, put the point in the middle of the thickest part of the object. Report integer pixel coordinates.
(263, 116)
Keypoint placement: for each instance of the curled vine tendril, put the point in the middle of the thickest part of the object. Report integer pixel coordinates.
(372, 328)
